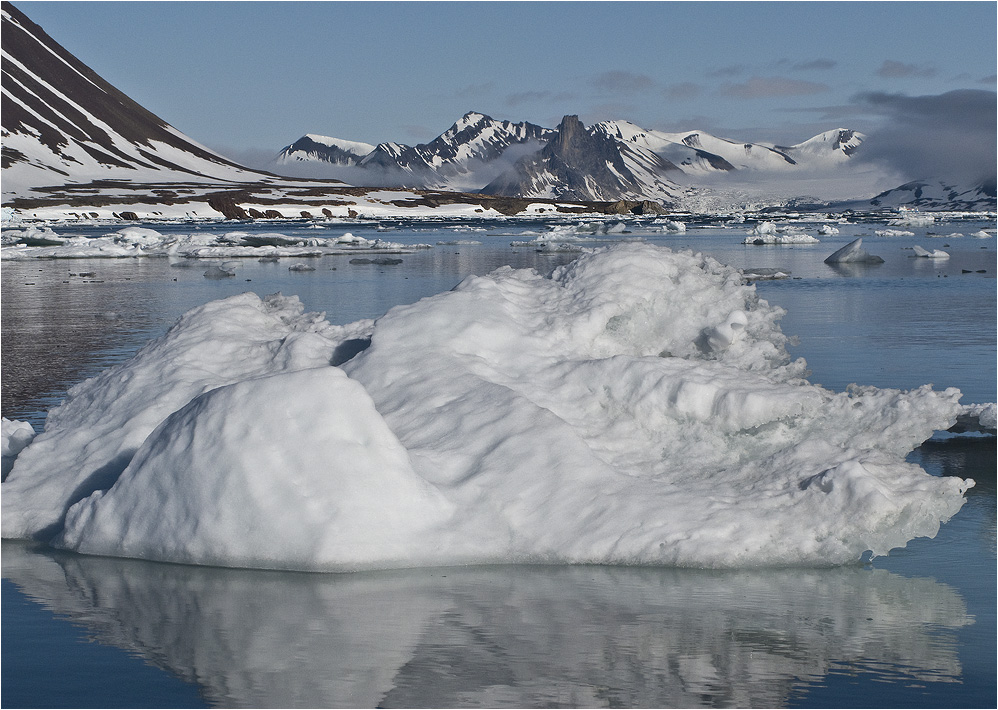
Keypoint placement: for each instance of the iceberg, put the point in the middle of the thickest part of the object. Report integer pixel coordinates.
(853, 253)
(635, 406)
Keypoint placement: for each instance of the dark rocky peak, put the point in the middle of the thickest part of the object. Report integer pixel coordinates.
(571, 134)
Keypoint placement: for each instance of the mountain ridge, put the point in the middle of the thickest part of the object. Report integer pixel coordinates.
(636, 163)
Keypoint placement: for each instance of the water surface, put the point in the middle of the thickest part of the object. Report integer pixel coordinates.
(916, 628)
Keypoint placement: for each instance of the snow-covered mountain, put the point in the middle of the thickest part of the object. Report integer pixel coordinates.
(63, 124)
(933, 195)
(622, 160)
(466, 156)
(587, 164)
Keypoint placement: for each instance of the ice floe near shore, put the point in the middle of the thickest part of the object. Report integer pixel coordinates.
(636, 406)
(44, 243)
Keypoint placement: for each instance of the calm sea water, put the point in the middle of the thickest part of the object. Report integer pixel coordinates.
(915, 629)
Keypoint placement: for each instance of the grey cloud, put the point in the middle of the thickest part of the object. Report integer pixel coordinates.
(525, 97)
(772, 86)
(891, 69)
(723, 72)
(623, 82)
(418, 132)
(683, 90)
(475, 90)
(950, 135)
(990, 79)
(816, 64)
(256, 158)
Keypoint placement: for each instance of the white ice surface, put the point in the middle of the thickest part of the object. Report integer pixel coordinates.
(636, 406)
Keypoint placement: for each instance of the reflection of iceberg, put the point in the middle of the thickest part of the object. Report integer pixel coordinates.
(635, 406)
(507, 636)
(853, 253)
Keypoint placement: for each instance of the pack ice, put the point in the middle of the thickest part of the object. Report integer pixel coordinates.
(636, 406)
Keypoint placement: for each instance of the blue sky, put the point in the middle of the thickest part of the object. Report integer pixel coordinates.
(245, 77)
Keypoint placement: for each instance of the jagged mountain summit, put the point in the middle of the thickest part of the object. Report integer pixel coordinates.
(465, 156)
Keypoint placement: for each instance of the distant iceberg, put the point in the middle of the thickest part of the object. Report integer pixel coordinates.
(636, 406)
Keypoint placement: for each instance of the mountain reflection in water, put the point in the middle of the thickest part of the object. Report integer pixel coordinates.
(502, 636)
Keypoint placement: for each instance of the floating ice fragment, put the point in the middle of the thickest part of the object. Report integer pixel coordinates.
(217, 272)
(765, 273)
(934, 254)
(853, 253)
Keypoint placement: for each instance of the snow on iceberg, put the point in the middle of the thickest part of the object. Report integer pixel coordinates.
(636, 406)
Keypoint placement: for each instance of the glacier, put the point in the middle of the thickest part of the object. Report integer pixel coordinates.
(637, 406)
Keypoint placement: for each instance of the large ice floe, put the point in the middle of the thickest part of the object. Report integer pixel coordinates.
(636, 406)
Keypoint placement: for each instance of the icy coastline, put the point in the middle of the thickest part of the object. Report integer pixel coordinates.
(34, 242)
(637, 406)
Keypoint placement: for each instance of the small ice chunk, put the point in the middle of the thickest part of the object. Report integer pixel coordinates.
(934, 254)
(14, 436)
(217, 272)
